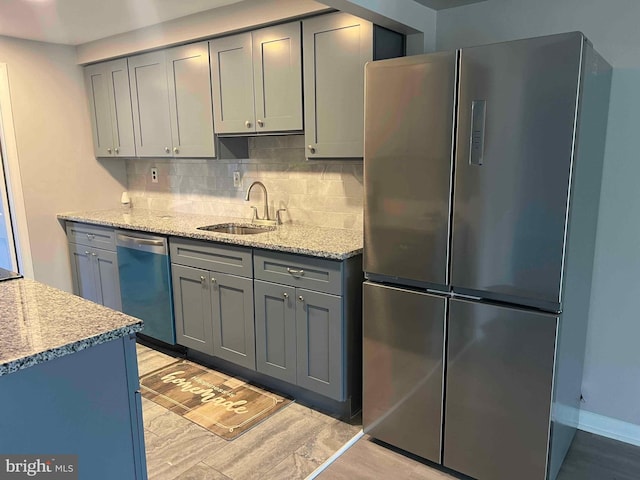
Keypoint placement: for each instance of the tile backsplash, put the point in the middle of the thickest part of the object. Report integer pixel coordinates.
(326, 193)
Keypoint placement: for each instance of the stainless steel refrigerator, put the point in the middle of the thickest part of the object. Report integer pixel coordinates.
(482, 173)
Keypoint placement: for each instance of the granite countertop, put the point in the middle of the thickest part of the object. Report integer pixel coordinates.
(40, 323)
(333, 243)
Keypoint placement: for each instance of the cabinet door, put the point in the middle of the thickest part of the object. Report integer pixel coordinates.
(107, 279)
(96, 83)
(150, 101)
(319, 343)
(277, 71)
(119, 89)
(82, 273)
(192, 306)
(233, 329)
(275, 330)
(232, 84)
(336, 47)
(190, 100)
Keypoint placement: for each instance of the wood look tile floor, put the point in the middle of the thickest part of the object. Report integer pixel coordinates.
(590, 457)
(289, 445)
(295, 441)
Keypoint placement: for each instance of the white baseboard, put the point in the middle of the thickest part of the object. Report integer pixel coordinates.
(609, 427)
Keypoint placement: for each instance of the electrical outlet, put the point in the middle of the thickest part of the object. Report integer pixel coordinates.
(237, 182)
(154, 175)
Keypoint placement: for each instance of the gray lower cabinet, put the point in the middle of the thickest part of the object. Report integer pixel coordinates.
(94, 271)
(192, 307)
(299, 337)
(213, 309)
(321, 358)
(276, 352)
(304, 336)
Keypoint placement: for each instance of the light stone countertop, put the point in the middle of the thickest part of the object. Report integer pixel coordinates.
(333, 243)
(40, 323)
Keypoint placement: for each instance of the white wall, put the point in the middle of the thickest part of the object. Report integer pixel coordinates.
(611, 382)
(53, 136)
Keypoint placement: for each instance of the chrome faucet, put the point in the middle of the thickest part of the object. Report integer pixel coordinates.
(266, 200)
(265, 220)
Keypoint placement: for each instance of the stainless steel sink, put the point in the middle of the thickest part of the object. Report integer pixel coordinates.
(237, 228)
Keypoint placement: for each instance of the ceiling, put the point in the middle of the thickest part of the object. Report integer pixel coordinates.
(73, 22)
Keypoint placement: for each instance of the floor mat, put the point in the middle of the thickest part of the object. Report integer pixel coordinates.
(224, 405)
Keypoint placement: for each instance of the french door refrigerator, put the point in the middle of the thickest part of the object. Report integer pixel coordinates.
(482, 180)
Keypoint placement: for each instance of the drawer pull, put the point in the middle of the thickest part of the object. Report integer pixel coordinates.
(295, 273)
(90, 236)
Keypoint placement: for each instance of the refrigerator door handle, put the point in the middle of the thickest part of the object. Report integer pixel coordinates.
(476, 140)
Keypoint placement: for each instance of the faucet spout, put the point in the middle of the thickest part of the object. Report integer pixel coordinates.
(266, 199)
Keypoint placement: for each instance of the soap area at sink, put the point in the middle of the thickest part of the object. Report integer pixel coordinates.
(324, 193)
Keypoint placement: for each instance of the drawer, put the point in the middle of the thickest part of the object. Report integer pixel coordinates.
(312, 273)
(91, 235)
(211, 256)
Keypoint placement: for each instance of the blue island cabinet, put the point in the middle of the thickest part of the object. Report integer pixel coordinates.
(85, 403)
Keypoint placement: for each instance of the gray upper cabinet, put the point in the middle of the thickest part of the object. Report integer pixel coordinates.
(336, 48)
(107, 86)
(232, 84)
(171, 99)
(150, 101)
(190, 101)
(257, 81)
(277, 73)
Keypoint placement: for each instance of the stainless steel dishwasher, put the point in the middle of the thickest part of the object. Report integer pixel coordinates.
(145, 283)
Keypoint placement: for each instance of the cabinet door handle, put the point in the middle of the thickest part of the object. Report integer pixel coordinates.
(213, 280)
(295, 273)
(86, 252)
(117, 150)
(94, 254)
(108, 150)
(203, 280)
(176, 150)
(247, 124)
(167, 149)
(285, 295)
(311, 148)
(301, 298)
(260, 123)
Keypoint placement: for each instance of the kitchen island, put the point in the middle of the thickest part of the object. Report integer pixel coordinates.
(69, 381)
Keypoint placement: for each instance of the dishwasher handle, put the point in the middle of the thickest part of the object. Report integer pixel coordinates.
(145, 243)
